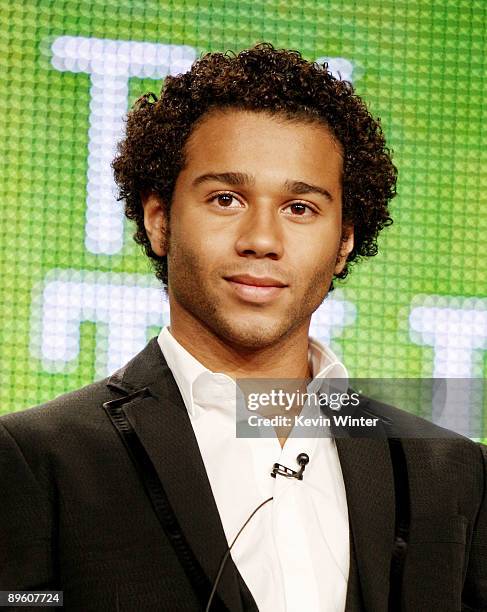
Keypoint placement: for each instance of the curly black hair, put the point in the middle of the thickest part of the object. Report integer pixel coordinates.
(275, 81)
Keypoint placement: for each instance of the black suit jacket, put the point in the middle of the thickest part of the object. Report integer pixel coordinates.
(86, 478)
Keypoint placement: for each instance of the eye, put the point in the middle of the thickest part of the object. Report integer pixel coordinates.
(299, 209)
(224, 199)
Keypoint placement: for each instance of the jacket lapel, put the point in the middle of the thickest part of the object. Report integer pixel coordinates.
(162, 425)
(369, 484)
(354, 601)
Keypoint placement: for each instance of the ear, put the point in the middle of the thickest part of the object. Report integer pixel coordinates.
(346, 246)
(155, 222)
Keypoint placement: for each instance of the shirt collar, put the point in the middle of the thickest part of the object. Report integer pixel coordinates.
(201, 388)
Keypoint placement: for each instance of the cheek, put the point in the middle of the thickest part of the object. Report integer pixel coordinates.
(193, 228)
(315, 251)
(191, 256)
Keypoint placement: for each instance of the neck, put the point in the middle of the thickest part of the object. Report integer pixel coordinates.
(286, 358)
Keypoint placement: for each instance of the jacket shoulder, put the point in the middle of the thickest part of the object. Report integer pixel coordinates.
(50, 428)
(403, 424)
(71, 406)
(427, 442)
(75, 423)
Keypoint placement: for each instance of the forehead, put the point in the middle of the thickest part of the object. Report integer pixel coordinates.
(258, 140)
(220, 124)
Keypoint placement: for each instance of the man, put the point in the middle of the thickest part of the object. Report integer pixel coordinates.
(254, 181)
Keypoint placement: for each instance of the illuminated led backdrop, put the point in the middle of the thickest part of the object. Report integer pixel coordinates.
(78, 298)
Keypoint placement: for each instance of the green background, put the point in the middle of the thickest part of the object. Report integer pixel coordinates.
(419, 64)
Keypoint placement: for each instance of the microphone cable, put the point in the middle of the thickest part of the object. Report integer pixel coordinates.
(227, 554)
(302, 459)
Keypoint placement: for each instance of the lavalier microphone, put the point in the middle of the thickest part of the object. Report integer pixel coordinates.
(282, 470)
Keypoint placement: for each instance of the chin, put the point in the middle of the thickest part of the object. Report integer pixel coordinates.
(252, 334)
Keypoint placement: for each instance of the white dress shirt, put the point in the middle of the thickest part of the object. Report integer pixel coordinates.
(294, 553)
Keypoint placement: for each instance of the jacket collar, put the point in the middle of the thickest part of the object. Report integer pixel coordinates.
(368, 477)
(161, 422)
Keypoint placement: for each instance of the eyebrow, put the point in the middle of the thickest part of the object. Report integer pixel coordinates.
(245, 180)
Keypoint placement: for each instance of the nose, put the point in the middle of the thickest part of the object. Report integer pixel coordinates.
(260, 234)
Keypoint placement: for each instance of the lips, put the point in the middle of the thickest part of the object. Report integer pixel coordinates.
(255, 289)
(256, 281)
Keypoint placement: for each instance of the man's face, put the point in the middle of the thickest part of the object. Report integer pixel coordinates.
(258, 202)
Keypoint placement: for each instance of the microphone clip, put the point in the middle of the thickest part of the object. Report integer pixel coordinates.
(282, 470)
